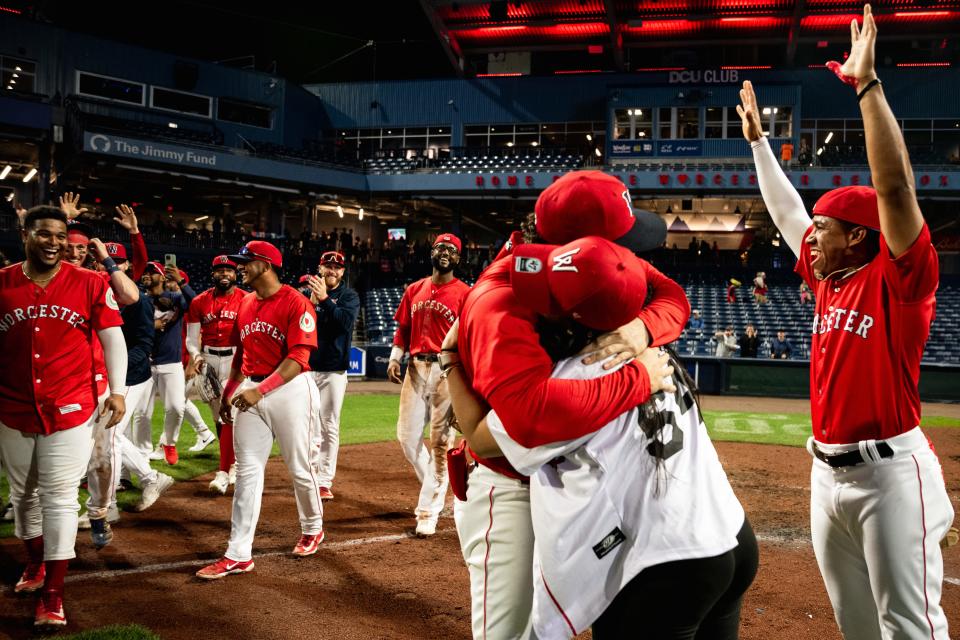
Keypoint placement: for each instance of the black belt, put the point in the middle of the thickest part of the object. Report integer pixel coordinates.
(258, 378)
(427, 357)
(850, 458)
(219, 352)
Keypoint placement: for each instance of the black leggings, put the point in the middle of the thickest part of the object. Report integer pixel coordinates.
(684, 600)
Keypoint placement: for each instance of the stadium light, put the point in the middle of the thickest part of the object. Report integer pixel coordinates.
(6, 171)
(30, 174)
(534, 144)
(510, 144)
(829, 138)
(360, 213)
(589, 138)
(596, 152)
(819, 151)
(201, 218)
(766, 111)
(339, 211)
(10, 196)
(172, 125)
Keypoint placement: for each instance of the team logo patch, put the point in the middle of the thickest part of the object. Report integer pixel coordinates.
(527, 265)
(610, 542)
(69, 408)
(564, 261)
(307, 322)
(111, 300)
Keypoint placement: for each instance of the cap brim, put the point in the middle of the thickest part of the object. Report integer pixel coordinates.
(239, 259)
(529, 277)
(649, 232)
(80, 227)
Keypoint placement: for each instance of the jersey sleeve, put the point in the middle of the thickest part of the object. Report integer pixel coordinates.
(139, 250)
(527, 460)
(195, 313)
(915, 274)
(105, 312)
(401, 337)
(301, 327)
(666, 314)
(515, 381)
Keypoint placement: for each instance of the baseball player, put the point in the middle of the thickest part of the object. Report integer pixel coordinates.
(49, 311)
(210, 323)
(168, 372)
(878, 507)
(337, 306)
(270, 386)
(427, 310)
(507, 367)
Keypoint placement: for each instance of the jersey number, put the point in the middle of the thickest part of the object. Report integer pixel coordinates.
(653, 425)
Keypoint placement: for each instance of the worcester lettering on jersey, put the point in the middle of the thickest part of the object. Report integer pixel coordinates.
(34, 312)
(259, 326)
(868, 337)
(426, 313)
(225, 314)
(436, 306)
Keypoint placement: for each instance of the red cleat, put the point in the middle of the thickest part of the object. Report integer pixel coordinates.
(223, 568)
(50, 611)
(325, 493)
(307, 546)
(32, 578)
(170, 453)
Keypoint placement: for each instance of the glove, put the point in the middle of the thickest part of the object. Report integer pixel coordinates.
(950, 539)
(208, 385)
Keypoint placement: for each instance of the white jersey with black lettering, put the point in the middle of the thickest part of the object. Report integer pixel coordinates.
(603, 509)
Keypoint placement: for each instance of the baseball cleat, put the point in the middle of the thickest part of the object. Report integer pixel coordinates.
(325, 493)
(124, 485)
(426, 527)
(220, 482)
(153, 490)
(156, 454)
(223, 568)
(100, 532)
(308, 543)
(203, 442)
(7, 511)
(32, 578)
(170, 454)
(50, 611)
(113, 515)
(232, 475)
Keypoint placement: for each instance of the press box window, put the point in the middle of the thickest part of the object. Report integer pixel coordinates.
(106, 88)
(181, 102)
(18, 75)
(247, 113)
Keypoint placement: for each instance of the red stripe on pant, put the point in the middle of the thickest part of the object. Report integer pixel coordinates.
(227, 456)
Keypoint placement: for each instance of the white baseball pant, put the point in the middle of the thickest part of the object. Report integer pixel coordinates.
(496, 538)
(424, 396)
(133, 459)
(191, 415)
(44, 472)
(288, 414)
(333, 387)
(876, 530)
(170, 384)
(220, 364)
(103, 469)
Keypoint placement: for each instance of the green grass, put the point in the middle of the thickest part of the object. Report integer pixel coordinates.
(114, 632)
(373, 418)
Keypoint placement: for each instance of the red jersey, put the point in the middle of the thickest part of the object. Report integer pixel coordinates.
(267, 330)
(502, 356)
(216, 314)
(426, 313)
(52, 329)
(869, 331)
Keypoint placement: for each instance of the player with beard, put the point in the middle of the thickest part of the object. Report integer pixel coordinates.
(337, 306)
(428, 309)
(210, 322)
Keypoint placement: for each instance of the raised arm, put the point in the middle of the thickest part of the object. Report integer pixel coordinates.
(890, 170)
(782, 200)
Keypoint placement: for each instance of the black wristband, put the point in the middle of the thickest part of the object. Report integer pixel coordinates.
(870, 85)
(109, 265)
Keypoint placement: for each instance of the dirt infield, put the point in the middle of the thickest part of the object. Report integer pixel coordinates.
(371, 579)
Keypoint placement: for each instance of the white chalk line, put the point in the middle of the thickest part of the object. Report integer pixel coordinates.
(183, 564)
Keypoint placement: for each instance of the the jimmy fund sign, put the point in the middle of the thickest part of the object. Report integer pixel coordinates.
(131, 148)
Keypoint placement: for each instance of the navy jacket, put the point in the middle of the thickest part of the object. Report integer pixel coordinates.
(335, 319)
(138, 333)
(168, 344)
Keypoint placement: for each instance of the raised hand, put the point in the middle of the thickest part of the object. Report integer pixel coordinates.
(749, 113)
(858, 69)
(98, 249)
(127, 218)
(70, 205)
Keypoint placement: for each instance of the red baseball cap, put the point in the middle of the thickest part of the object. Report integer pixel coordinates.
(116, 251)
(303, 279)
(79, 233)
(223, 261)
(333, 257)
(183, 276)
(156, 266)
(448, 238)
(592, 203)
(595, 281)
(851, 204)
(258, 250)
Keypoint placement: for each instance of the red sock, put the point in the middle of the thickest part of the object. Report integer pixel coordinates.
(34, 550)
(227, 457)
(56, 572)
